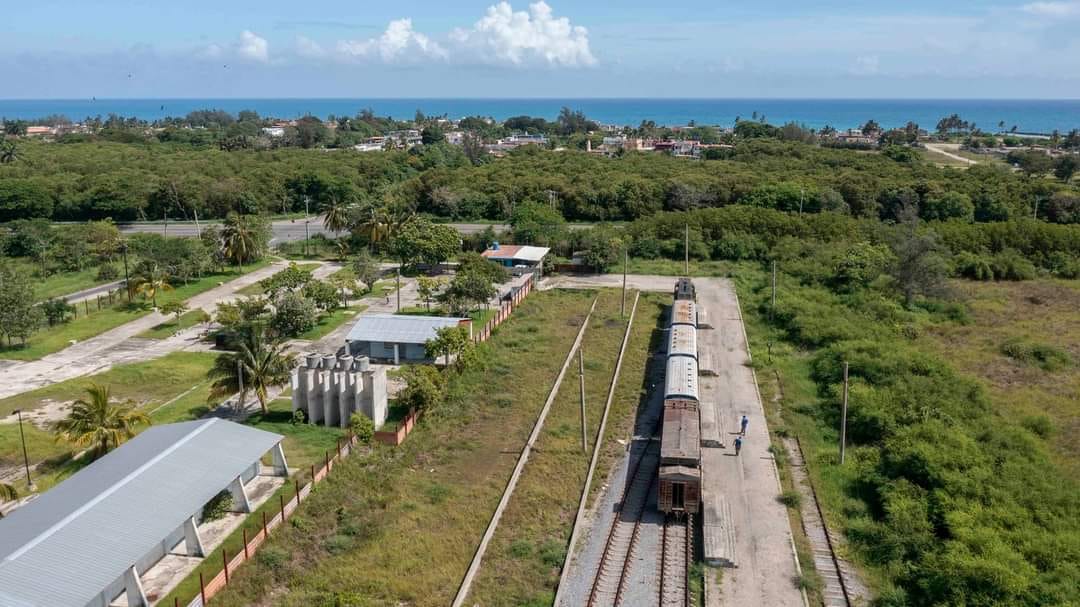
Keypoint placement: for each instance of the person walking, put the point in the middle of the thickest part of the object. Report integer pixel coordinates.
(745, 422)
(738, 444)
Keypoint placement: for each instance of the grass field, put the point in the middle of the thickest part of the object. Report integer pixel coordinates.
(56, 284)
(56, 338)
(331, 321)
(667, 267)
(524, 558)
(171, 388)
(1043, 313)
(398, 527)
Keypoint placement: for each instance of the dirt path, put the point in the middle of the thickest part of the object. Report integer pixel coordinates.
(120, 345)
(948, 150)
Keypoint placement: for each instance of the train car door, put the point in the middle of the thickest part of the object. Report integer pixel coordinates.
(678, 496)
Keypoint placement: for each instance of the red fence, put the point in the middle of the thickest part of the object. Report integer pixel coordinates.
(506, 307)
(397, 437)
(286, 507)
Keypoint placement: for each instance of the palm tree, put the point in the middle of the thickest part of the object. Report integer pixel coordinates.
(8, 493)
(259, 362)
(238, 239)
(373, 224)
(336, 215)
(150, 284)
(99, 422)
(9, 153)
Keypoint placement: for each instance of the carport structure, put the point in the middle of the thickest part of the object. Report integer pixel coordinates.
(86, 541)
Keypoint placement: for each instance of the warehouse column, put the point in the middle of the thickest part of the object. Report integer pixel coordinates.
(192, 541)
(133, 588)
(239, 493)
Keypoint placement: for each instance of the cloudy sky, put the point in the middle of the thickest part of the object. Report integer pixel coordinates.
(567, 48)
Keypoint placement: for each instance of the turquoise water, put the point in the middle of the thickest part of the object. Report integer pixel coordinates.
(1040, 116)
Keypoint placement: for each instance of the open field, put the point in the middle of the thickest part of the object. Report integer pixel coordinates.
(526, 554)
(400, 526)
(328, 322)
(56, 338)
(1042, 395)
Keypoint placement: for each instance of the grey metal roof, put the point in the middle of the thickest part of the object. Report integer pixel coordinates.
(680, 442)
(682, 378)
(399, 328)
(66, 546)
(684, 312)
(682, 341)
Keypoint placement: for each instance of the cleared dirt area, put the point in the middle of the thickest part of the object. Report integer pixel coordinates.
(1033, 313)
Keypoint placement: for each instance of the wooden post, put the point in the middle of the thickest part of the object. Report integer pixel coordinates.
(581, 381)
(86, 304)
(202, 589)
(773, 306)
(686, 251)
(843, 416)
(625, 263)
(266, 532)
(225, 562)
(326, 462)
(176, 601)
(246, 555)
(281, 501)
(312, 483)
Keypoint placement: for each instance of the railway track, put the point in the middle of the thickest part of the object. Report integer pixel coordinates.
(610, 579)
(676, 554)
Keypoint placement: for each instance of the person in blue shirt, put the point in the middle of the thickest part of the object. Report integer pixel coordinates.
(745, 422)
(738, 444)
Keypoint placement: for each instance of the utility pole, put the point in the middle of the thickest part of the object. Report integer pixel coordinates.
(127, 280)
(773, 306)
(398, 280)
(843, 416)
(802, 191)
(625, 263)
(240, 380)
(26, 460)
(581, 381)
(166, 233)
(686, 252)
(198, 230)
(307, 220)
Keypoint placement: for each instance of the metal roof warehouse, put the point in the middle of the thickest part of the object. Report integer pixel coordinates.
(396, 336)
(87, 540)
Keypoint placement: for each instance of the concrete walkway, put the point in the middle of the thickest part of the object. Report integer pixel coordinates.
(120, 345)
(949, 150)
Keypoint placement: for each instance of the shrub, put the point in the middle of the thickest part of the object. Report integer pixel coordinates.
(1039, 424)
(218, 506)
(520, 548)
(1044, 356)
(362, 426)
(107, 271)
(336, 544)
(1011, 265)
(272, 557)
(790, 498)
(298, 417)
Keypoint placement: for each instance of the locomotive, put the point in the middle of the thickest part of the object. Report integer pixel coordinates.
(680, 439)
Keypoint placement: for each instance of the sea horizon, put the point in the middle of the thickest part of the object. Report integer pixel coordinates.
(1027, 115)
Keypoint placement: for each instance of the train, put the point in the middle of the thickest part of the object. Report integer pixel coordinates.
(680, 438)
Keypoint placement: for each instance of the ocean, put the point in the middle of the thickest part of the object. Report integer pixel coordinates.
(1032, 116)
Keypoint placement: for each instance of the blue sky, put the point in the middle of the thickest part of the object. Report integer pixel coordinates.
(625, 48)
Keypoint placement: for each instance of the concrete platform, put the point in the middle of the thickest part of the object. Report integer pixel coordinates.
(707, 364)
(712, 428)
(718, 530)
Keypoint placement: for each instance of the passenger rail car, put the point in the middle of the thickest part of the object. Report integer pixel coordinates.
(680, 440)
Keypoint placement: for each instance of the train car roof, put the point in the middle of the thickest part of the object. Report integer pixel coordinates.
(675, 472)
(684, 312)
(680, 442)
(682, 378)
(682, 341)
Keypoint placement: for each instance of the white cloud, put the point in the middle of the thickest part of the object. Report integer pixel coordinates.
(399, 43)
(866, 65)
(517, 38)
(253, 47)
(306, 47)
(1053, 9)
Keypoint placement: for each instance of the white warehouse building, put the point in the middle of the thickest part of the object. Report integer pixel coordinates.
(87, 541)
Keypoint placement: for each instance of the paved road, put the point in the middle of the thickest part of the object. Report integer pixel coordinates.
(93, 292)
(284, 230)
